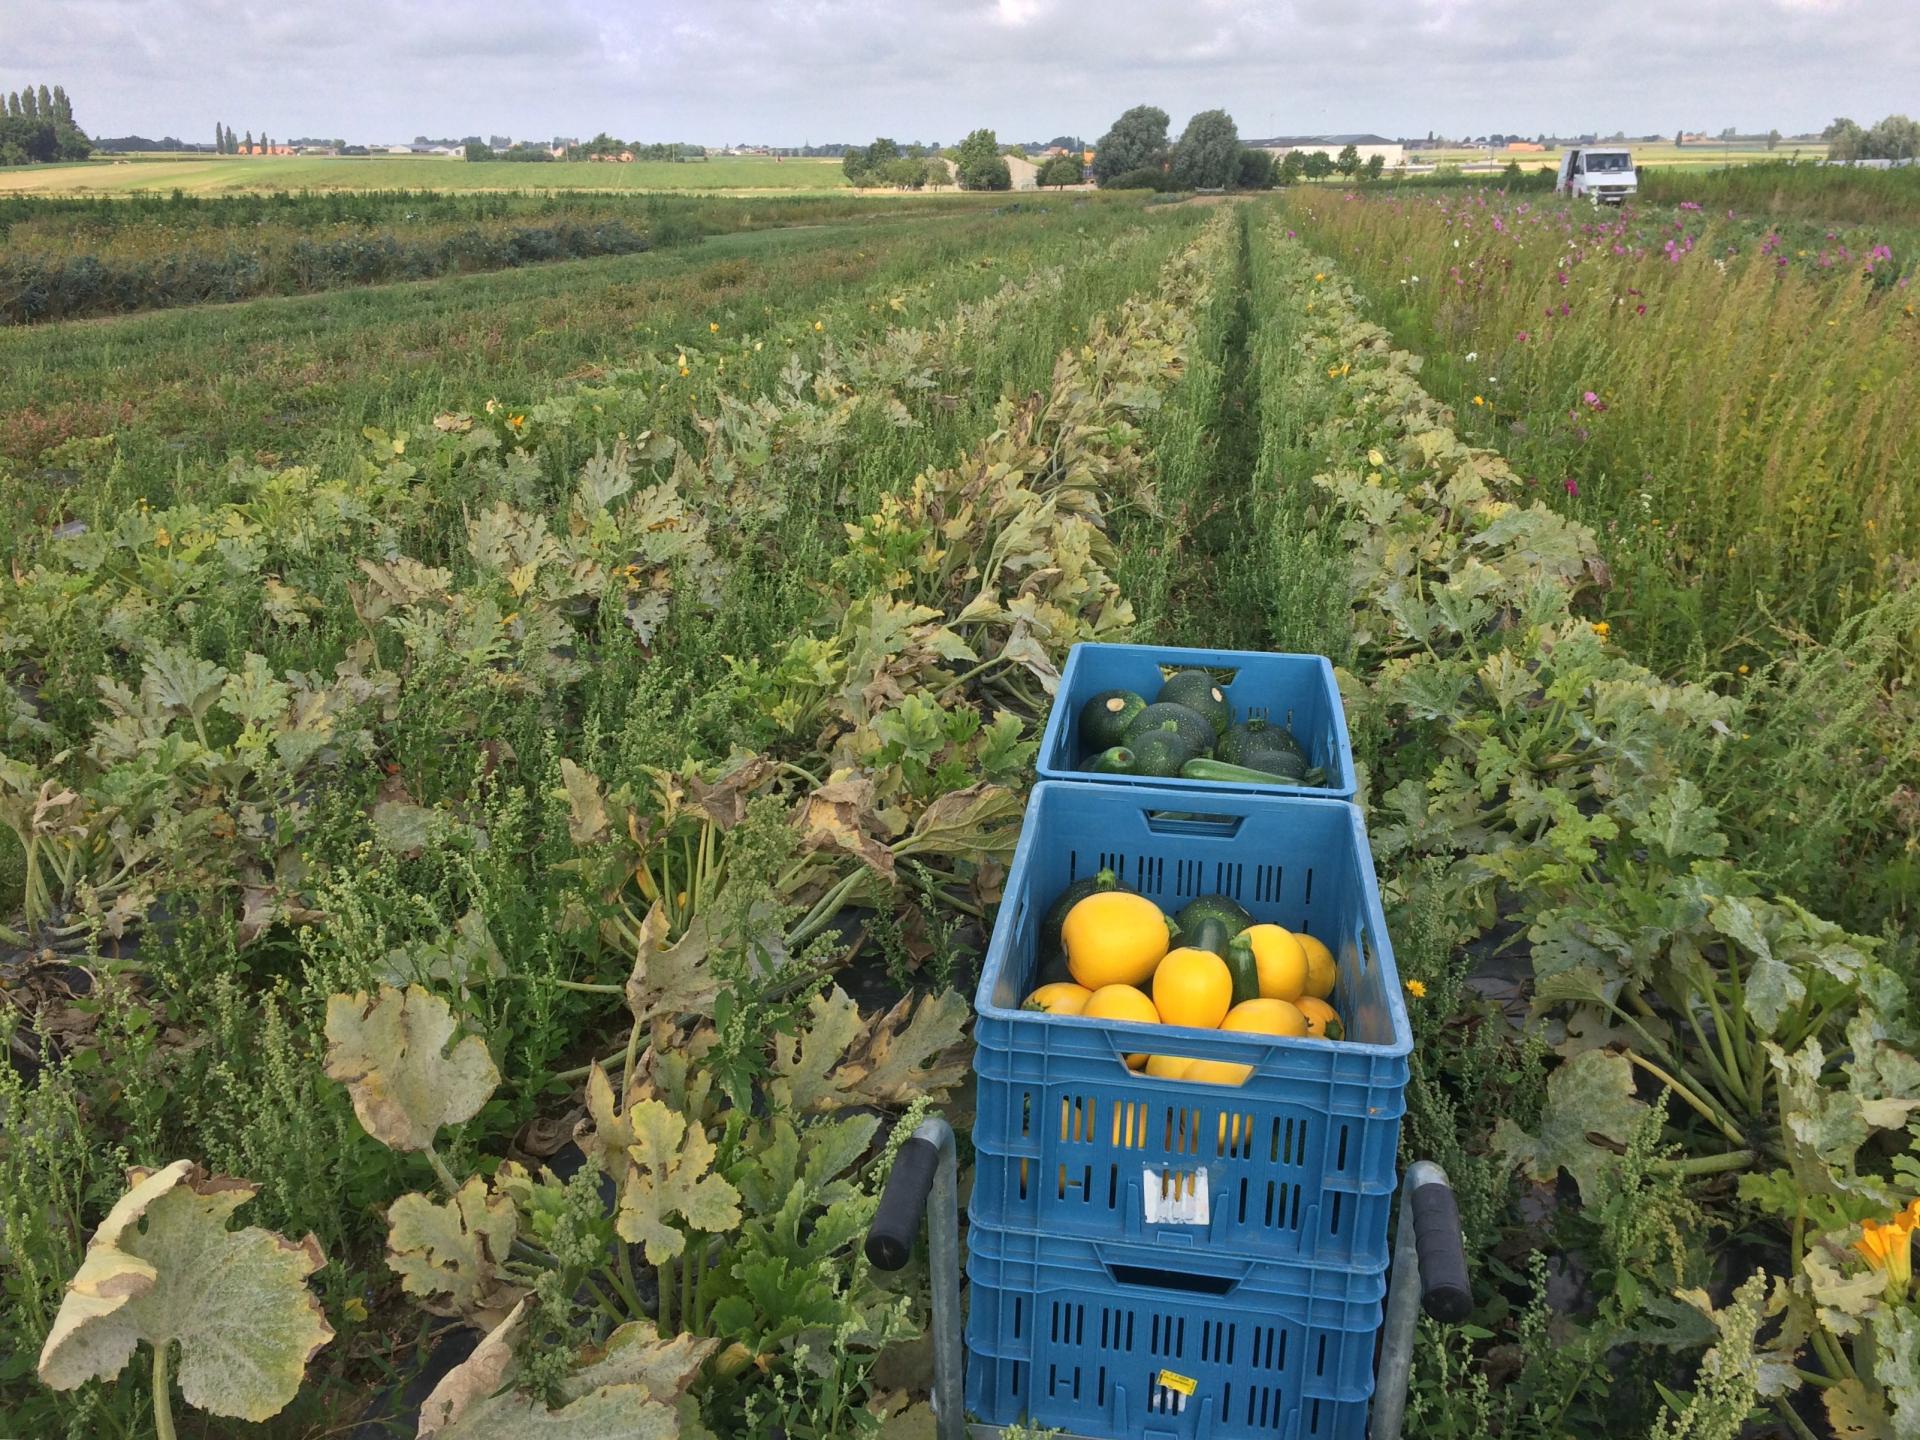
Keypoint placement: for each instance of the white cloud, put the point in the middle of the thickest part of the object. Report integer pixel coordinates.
(1017, 13)
(791, 70)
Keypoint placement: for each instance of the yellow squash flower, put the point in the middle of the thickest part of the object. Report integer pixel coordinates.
(1888, 1247)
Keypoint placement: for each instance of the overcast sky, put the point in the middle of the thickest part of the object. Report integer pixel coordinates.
(786, 71)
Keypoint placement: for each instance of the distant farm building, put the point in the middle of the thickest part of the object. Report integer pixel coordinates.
(1524, 147)
(1391, 152)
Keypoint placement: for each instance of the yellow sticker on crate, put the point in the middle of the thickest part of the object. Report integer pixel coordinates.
(1185, 1384)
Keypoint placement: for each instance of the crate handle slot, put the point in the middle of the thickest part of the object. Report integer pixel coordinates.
(1152, 1278)
(1182, 822)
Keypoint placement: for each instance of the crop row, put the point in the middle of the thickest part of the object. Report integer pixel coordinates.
(35, 288)
(49, 221)
(71, 258)
(1530, 783)
(180, 394)
(504, 757)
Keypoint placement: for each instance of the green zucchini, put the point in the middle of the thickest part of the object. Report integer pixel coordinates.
(1117, 761)
(1104, 719)
(1160, 753)
(1195, 690)
(1244, 968)
(1210, 934)
(1229, 912)
(1235, 774)
(1192, 726)
(1251, 737)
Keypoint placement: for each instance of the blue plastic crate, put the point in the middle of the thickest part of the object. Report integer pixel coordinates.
(1299, 1162)
(1297, 691)
(1103, 1340)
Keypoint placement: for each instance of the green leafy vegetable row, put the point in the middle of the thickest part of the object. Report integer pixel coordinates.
(1713, 1050)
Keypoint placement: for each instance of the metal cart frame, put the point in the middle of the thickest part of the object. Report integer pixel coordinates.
(1429, 1272)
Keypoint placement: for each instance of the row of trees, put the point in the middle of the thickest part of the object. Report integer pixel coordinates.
(886, 162)
(1895, 138)
(37, 127)
(40, 104)
(225, 142)
(524, 151)
(1297, 165)
(1135, 154)
(671, 151)
(977, 164)
(601, 144)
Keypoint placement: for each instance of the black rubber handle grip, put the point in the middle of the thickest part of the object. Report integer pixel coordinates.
(1444, 1291)
(896, 1224)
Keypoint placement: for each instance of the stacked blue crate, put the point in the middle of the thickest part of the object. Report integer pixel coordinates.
(1165, 1257)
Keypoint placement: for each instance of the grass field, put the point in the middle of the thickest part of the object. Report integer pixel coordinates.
(1664, 154)
(216, 175)
(582, 716)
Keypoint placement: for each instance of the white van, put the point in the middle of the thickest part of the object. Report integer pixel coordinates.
(1600, 175)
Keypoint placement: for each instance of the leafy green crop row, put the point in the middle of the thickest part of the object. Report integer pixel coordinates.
(38, 288)
(70, 258)
(97, 417)
(1702, 1057)
(501, 725)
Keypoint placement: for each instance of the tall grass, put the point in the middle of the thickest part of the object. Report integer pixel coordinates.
(1738, 416)
(1787, 190)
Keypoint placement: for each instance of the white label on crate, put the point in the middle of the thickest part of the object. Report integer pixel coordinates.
(1176, 1196)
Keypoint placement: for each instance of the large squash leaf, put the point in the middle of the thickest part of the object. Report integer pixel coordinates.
(607, 1129)
(1592, 1094)
(617, 1396)
(841, 1059)
(669, 980)
(236, 1301)
(392, 1054)
(671, 1174)
(450, 1254)
(636, 1355)
(894, 1063)
(803, 1063)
